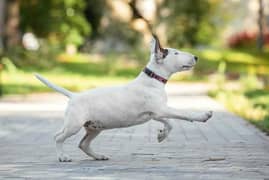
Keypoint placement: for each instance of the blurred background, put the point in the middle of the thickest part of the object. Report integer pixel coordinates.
(82, 44)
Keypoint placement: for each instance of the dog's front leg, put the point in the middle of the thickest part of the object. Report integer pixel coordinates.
(163, 133)
(169, 112)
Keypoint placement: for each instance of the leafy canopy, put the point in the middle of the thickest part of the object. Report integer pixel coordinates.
(61, 20)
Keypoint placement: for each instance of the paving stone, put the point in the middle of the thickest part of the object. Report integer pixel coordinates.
(226, 147)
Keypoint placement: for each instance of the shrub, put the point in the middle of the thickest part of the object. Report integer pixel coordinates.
(44, 57)
(246, 39)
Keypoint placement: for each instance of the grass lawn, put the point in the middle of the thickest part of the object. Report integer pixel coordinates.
(24, 82)
(78, 74)
(85, 71)
(236, 61)
(252, 105)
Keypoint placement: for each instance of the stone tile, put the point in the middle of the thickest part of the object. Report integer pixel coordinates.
(226, 147)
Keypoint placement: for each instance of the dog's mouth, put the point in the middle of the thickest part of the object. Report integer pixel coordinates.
(187, 66)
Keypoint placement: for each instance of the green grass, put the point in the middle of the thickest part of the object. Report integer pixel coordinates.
(83, 71)
(252, 105)
(24, 82)
(77, 72)
(237, 61)
(74, 75)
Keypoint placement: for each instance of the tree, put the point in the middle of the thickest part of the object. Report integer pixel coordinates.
(260, 40)
(2, 22)
(62, 20)
(2, 19)
(95, 9)
(12, 31)
(190, 22)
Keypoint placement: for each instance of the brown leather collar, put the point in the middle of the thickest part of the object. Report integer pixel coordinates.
(151, 74)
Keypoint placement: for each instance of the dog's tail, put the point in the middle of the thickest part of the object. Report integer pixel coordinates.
(54, 87)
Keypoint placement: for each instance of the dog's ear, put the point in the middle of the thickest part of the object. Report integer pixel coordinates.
(157, 50)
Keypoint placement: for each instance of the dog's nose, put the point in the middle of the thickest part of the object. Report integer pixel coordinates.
(195, 58)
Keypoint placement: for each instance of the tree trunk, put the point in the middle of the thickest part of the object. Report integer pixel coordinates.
(2, 22)
(260, 39)
(12, 25)
(137, 14)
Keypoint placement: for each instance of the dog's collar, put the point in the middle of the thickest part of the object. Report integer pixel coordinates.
(151, 74)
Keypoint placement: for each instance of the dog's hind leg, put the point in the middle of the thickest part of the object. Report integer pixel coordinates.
(60, 137)
(163, 133)
(59, 132)
(85, 142)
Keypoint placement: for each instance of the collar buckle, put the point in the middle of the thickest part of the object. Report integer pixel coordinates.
(151, 74)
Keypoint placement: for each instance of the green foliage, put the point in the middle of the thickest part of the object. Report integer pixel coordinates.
(8, 65)
(121, 31)
(86, 71)
(250, 82)
(231, 61)
(248, 99)
(44, 57)
(95, 10)
(191, 21)
(61, 20)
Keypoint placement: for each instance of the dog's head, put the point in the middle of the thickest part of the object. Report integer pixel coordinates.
(172, 60)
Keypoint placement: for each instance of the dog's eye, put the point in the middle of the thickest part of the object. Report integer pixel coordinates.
(176, 53)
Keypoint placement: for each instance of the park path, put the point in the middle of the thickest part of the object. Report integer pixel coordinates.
(226, 147)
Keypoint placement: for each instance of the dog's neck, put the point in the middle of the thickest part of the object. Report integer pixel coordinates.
(158, 70)
(152, 74)
(147, 81)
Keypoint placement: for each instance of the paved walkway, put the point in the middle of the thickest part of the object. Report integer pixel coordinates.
(226, 147)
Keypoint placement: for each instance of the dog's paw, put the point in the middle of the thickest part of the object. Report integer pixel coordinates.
(162, 134)
(64, 158)
(208, 115)
(101, 158)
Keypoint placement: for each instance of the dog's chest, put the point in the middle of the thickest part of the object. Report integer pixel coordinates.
(135, 111)
(141, 118)
(123, 111)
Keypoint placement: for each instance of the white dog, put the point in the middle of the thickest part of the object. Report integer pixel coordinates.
(137, 102)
